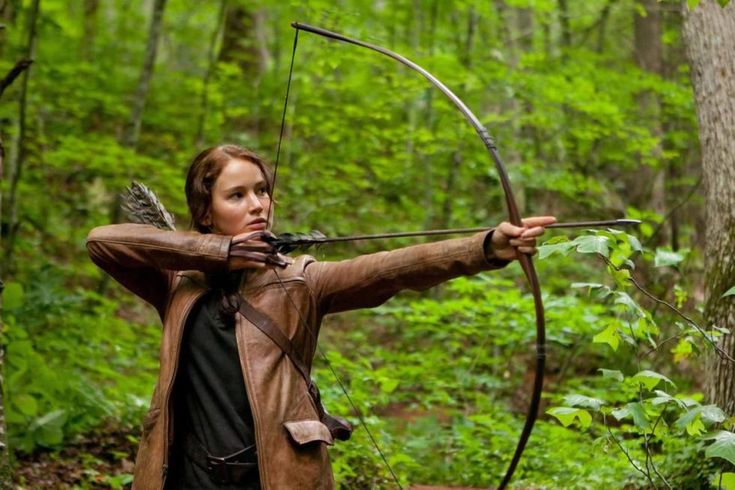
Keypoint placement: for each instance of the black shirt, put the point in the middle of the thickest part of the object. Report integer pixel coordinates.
(211, 404)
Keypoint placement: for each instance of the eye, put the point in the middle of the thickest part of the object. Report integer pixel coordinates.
(236, 195)
(262, 191)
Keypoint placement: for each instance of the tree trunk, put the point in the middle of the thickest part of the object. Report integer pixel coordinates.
(709, 33)
(136, 117)
(132, 133)
(20, 153)
(91, 7)
(648, 55)
(5, 474)
(211, 64)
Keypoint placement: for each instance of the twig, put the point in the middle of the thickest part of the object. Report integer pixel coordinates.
(720, 352)
(624, 451)
(671, 211)
(14, 73)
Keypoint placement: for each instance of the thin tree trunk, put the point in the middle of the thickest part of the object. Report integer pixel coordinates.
(648, 55)
(211, 64)
(91, 7)
(5, 475)
(710, 43)
(20, 154)
(136, 116)
(132, 133)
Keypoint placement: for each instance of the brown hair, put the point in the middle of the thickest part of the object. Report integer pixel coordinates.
(203, 173)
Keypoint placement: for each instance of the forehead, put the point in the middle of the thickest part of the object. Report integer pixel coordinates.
(238, 172)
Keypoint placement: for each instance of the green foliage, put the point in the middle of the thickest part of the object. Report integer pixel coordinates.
(73, 363)
(370, 147)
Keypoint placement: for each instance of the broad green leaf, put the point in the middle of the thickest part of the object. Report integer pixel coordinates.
(548, 249)
(666, 258)
(663, 397)
(635, 244)
(26, 404)
(608, 336)
(636, 411)
(712, 414)
(729, 292)
(13, 295)
(650, 379)
(723, 447)
(692, 4)
(612, 373)
(567, 415)
(575, 400)
(587, 244)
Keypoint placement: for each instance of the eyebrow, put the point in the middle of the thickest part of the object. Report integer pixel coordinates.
(259, 182)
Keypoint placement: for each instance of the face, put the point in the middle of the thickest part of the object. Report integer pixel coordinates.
(240, 200)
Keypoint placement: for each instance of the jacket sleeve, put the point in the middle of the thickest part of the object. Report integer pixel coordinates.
(143, 258)
(370, 280)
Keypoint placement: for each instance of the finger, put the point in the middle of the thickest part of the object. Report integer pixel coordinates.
(248, 236)
(538, 221)
(252, 246)
(527, 250)
(533, 232)
(518, 242)
(509, 230)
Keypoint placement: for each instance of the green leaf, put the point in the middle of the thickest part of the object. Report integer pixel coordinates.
(575, 400)
(549, 248)
(13, 295)
(712, 414)
(726, 481)
(692, 4)
(635, 244)
(26, 404)
(723, 447)
(612, 373)
(695, 420)
(650, 379)
(729, 292)
(608, 336)
(723, 3)
(567, 415)
(636, 411)
(587, 244)
(666, 258)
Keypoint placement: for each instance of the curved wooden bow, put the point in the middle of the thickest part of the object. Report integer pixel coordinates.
(513, 213)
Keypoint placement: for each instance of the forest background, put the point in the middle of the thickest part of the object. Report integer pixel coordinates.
(592, 107)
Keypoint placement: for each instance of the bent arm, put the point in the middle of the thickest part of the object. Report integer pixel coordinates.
(370, 280)
(142, 258)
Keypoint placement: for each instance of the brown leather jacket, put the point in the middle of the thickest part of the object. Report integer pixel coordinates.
(165, 268)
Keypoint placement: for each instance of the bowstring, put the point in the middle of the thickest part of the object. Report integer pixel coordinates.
(283, 127)
(302, 320)
(355, 409)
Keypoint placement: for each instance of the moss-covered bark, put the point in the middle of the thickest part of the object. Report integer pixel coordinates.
(710, 38)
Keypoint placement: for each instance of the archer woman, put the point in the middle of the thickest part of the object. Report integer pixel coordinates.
(234, 406)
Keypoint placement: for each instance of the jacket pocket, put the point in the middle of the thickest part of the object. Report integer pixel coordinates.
(305, 431)
(149, 421)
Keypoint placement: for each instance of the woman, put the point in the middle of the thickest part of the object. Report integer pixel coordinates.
(230, 410)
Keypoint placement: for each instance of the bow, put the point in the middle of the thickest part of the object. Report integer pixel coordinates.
(514, 218)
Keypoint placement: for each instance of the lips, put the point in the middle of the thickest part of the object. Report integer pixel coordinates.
(258, 224)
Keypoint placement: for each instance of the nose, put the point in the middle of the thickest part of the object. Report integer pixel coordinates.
(256, 207)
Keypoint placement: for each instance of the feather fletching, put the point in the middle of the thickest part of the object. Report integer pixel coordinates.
(141, 205)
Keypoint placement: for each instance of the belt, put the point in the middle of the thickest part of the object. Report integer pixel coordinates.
(237, 467)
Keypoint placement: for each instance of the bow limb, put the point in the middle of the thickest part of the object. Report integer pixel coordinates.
(514, 217)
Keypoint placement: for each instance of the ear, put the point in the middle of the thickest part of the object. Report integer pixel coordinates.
(207, 220)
